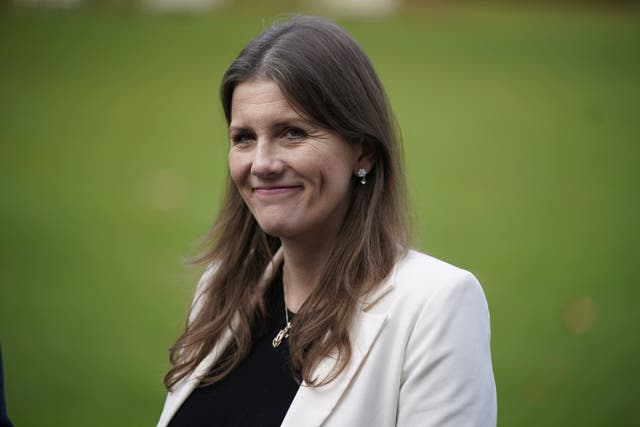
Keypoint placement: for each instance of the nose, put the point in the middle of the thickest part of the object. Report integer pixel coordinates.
(267, 161)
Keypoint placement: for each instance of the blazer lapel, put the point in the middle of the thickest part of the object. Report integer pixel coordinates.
(312, 405)
(181, 392)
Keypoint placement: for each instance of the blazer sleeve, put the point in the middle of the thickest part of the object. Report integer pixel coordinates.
(447, 377)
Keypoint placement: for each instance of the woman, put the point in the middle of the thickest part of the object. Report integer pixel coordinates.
(313, 311)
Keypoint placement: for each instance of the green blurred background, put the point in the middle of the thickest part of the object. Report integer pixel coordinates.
(521, 131)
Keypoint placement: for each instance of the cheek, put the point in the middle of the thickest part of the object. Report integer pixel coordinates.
(236, 169)
(338, 168)
(333, 166)
(336, 179)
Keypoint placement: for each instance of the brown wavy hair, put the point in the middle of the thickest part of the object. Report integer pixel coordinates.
(330, 81)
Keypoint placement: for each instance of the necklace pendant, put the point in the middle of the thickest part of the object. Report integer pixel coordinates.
(284, 333)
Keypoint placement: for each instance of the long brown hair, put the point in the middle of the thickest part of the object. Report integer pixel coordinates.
(328, 79)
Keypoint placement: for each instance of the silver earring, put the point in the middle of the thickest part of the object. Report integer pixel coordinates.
(362, 173)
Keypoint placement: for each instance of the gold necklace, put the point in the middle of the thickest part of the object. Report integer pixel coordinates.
(284, 332)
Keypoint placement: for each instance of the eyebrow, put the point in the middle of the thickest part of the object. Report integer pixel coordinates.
(238, 129)
(277, 125)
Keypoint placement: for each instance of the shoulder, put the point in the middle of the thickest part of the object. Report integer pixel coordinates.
(425, 292)
(414, 265)
(421, 278)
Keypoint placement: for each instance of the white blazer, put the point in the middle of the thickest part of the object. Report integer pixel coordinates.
(421, 356)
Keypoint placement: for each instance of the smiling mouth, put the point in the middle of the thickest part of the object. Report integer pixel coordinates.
(276, 190)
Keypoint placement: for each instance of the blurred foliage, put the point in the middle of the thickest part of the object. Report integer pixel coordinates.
(521, 134)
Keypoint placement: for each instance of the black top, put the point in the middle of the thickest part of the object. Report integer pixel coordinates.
(258, 392)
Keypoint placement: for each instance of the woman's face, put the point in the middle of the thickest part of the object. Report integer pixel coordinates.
(294, 177)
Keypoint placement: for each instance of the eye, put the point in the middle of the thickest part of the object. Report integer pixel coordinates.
(294, 133)
(241, 138)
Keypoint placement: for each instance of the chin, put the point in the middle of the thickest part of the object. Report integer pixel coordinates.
(276, 229)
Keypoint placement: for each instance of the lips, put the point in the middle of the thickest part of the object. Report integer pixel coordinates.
(276, 190)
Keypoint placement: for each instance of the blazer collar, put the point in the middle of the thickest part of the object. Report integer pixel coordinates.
(311, 405)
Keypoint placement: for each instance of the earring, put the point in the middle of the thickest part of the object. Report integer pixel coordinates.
(362, 173)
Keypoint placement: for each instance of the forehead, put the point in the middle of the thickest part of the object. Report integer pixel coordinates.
(259, 100)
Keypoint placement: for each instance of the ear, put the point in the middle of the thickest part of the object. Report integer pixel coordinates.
(365, 155)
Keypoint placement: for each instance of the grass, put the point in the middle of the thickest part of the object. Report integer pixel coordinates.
(521, 136)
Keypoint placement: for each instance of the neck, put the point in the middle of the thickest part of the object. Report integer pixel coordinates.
(303, 264)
